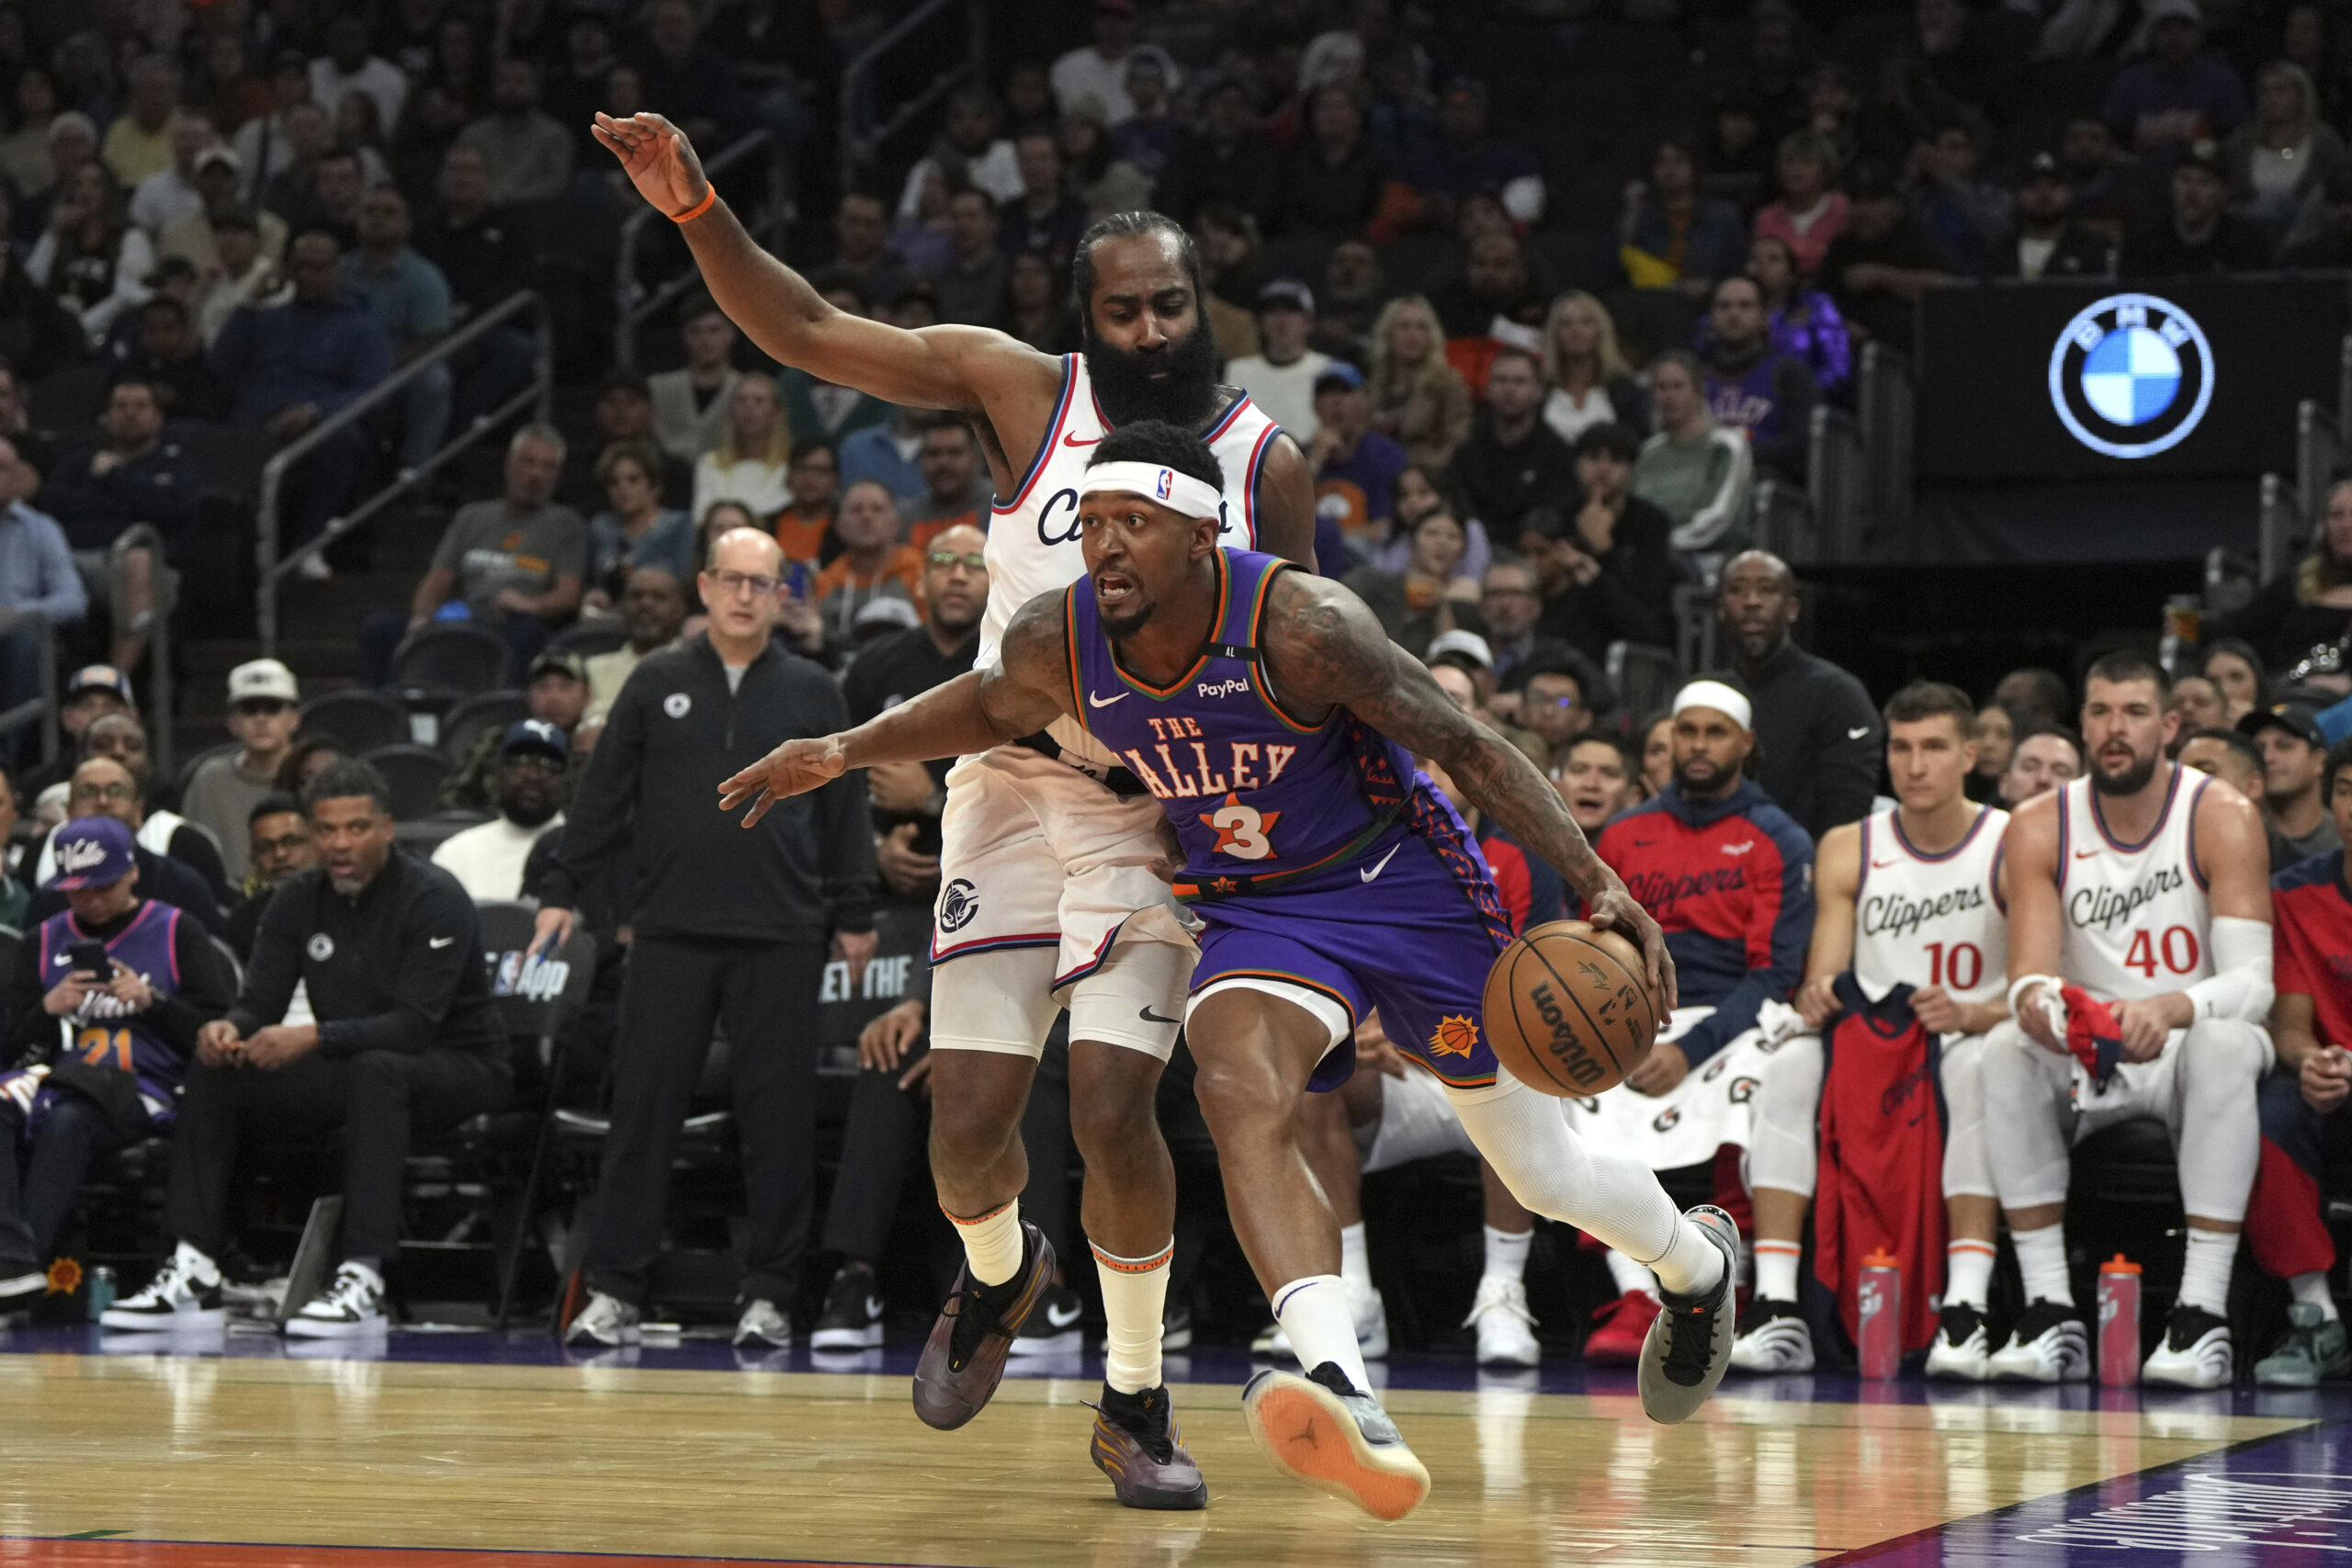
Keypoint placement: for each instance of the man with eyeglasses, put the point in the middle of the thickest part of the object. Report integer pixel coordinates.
(122, 738)
(1510, 600)
(727, 926)
(227, 786)
(488, 859)
(103, 787)
(281, 845)
(1559, 697)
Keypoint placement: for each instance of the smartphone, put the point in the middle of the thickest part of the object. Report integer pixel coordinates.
(91, 956)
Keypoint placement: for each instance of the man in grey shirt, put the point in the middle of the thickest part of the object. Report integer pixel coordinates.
(225, 787)
(971, 286)
(528, 154)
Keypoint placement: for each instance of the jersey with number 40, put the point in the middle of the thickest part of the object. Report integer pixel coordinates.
(2134, 919)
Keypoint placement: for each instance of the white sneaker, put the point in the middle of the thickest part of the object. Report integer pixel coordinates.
(1372, 1320)
(1506, 1328)
(352, 1303)
(1773, 1339)
(1962, 1349)
(184, 1293)
(2051, 1344)
(2195, 1352)
(606, 1320)
(20, 1290)
(761, 1325)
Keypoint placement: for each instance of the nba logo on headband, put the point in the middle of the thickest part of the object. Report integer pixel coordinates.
(1167, 482)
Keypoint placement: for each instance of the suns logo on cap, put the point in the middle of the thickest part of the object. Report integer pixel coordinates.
(1167, 483)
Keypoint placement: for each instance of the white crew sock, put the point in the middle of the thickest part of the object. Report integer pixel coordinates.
(1691, 1266)
(2205, 1273)
(198, 1263)
(2042, 1259)
(1507, 1254)
(1968, 1272)
(1776, 1269)
(1630, 1276)
(1316, 1320)
(992, 1243)
(2311, 1289)
(1355, 1263)
(1135, 1295)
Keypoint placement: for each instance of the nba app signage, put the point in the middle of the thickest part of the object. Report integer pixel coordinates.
(2132, 375)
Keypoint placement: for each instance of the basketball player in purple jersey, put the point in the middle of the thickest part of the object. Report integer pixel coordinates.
(1275, 724)
(1049, 897)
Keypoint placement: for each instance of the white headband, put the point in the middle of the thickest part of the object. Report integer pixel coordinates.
(1179, 492)
(1716, 695)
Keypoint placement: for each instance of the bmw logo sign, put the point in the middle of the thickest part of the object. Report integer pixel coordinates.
(2131, 376)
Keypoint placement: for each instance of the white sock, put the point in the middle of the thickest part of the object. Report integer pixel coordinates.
(992, 1243)
(1355, 1263)
(1507, 1254)
(1691, 1266)
(1135, 1293)
(2042, 1259)
(195, 1262)
(2205, 1273)
(1776, 1269)
(1320, 1326)
(2311, 1289)
(1630, 1276)
(1968, 1272)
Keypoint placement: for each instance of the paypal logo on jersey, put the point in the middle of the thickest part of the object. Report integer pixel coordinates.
(1058, 519)
(1238, 686)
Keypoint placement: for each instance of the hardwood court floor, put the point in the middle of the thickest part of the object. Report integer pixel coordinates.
(802, 1467)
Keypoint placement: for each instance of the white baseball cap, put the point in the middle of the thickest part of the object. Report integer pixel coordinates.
(262, 680)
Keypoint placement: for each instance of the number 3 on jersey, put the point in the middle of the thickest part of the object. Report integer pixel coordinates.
(2177, 947)
(1241, 831)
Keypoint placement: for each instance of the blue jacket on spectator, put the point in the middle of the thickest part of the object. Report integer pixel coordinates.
(37, 567)
(277, 357)
(410, 298)
(159, 486)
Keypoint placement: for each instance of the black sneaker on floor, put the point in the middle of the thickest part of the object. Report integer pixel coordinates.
(1051, 1328)
(853, 1317)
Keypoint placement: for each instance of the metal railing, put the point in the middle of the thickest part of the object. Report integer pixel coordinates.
(2282, 529)
(274, 567)
(633, 303)
(864, 130)
(1823, 522)
(2319, 448)
(1887, 399)
(41, 708)
(163, 589)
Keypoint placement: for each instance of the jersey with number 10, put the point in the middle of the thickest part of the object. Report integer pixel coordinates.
(2134, 919)
(1923, 919)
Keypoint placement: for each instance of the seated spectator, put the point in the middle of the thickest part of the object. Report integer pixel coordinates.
(969, 151)
(1462, 162)
(103, 787)
(555, 693)
(1332, 179)
(406, 1040)
(634, 529)
(139, 142)
(174, 192)
(624, 416)
(814, 482)
(686, 78)
(2045, 239)
(873, 562)
(246, 275)
(653, 612)
(1811, 210)
(164, 353)
(410, 300)
(1352, 292)
(2294, 757)
(2235, 667)
(37, 336)
(2043, 760)
(71, 141)
(1146, 138)
(1692, 469)
(2195, 237)
(2324, 238)
(971, 285)
(1044, 218)
(91, 693)
(291, 192)
(1560, 697)
(1512, 460)
(1671, 235)
(37, 572)
(14, 896)
(1966, 213)
(2278, 163)
(1418, 401)
(471, 238)
(2309, 603)
(862, 249)
(131, 474)
(516, 564)
(528, 155)
(289, 368)
(1231, 259)
(1098, 69)
(1355, 469)
(1589, 379)
(1751, 385)
(24, 164)
(1497, 285)
(1597, 779)
(277, 845)
(2237, 762)
(1607, 576)
(1035, 307)
(1430, 595)
(348, 66)
(691, 404)
(261, 143)
(194, 233)
(887, 454)
(2176, 94)
(1280, 377)
(955, 485)
(312, 755)
(1883, 262)
(264, 713)
(748, 463)
(91, 256)
(1801, 322)
(133, 1030)
(123, 738)
(1420, 492)
(337, 184)
(1510, 601)
(2199, 702)
(487, 860)
(1221, 158)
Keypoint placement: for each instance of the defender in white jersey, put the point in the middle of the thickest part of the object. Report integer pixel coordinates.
(1911, 896)
(2148, 885)
(1049, 895)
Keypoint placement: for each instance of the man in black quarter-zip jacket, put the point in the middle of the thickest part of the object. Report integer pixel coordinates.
(730, 927)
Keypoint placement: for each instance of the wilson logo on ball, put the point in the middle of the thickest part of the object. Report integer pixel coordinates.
(1565, 1047)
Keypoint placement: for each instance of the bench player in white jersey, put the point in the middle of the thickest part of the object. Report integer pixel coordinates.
(1050, 893)
(2145, 884)
(1911, 896)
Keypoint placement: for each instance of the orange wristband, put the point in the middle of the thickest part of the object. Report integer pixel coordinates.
(709, 195)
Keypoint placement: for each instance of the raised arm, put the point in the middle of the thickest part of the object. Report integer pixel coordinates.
(1025, 691)
(1324, 647)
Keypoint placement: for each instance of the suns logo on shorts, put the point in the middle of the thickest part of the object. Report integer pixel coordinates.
(1455, 1036)
(958, 902)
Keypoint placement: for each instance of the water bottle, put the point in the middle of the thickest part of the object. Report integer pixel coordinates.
(2118, 1322)
(101, 1291)
(1878, 1299)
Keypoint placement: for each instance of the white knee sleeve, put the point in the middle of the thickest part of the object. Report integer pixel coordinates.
(1526, 1138)
(2220, 1144)
(2028, 1118)
(1784, 1153)
(1966, 1172)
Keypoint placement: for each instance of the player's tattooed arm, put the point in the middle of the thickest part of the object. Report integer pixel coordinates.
(1324, 647)
(975, 711)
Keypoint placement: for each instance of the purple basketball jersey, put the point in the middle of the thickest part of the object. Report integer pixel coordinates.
(103, 1033)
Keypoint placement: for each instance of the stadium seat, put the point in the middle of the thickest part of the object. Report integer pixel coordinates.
(462, 725)
(455, 657)
(415, 774)
(359, 721)
(589, 640)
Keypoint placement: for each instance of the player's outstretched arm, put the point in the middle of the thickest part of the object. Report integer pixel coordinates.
(1325, 646)
(1027, 690)
(938, 367)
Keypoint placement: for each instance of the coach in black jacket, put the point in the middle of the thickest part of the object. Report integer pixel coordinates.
(1818, 735)
(729, 927)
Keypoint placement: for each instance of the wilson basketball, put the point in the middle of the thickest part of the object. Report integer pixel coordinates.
(1568, 1009)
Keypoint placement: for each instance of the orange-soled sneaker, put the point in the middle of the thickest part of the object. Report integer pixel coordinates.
(1333, 1435)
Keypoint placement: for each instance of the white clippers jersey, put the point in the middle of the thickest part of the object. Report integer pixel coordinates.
(1922, 920)
(2135, 919)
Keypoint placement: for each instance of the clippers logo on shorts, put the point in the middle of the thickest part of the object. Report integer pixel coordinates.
(958, 902)
(321, 949)
(2132, 375)
(676, 705)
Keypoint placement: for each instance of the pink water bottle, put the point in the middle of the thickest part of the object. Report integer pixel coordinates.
(1878, 1303)
(2118, 1322)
